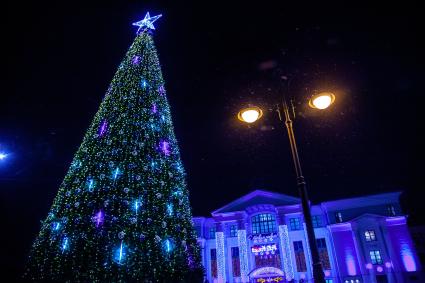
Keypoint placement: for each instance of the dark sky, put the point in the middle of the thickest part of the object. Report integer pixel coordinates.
(215, 59)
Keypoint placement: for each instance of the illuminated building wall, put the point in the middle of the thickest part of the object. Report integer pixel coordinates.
(366, 239)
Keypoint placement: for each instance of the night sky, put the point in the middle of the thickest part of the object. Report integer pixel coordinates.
(216, 59)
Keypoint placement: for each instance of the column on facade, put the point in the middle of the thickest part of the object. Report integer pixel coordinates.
(361, 253)
(243, 251)
(285, 249)
(221, 253)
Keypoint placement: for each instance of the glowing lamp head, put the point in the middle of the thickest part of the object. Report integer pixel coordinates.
(250, 114)
(322, 100)
(3, 155)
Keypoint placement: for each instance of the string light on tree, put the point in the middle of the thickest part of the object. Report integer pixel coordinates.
(127, 171)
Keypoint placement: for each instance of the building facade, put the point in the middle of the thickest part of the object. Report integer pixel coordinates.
(261, 237)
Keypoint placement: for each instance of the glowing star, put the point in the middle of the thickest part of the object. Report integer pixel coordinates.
(146, 23)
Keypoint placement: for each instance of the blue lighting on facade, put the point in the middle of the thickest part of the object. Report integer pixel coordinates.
(267, 255)
(407, 258)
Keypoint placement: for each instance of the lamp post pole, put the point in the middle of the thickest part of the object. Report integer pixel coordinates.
(302, 189)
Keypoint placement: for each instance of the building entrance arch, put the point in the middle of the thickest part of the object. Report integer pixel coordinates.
(268, 274)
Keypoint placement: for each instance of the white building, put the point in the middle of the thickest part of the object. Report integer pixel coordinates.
(261, 237)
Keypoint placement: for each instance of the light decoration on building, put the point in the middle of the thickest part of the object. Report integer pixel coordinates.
(264, 249)
(267, 270)
(310, 261)
(243, 255)
(407, 258)
(287, 260)
(221, 259)
(263, 238)
(350, 263)
(327, 273)
(379, 269)
(369, 266)
(388, 264)
(269, 279)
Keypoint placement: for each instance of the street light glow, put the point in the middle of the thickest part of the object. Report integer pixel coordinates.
(250, 115)
(322, 100)
(3, 155)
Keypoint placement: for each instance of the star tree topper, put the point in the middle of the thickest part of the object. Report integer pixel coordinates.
(147, 22)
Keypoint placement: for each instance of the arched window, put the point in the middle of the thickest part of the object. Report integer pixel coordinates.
(263, 223)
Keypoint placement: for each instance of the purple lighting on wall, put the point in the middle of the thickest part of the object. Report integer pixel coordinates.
(407, 258)
(369, 266)
(165, 147)
(103, 127)
(351, 264)
(388, 264)
(379, 269)
(154, 108)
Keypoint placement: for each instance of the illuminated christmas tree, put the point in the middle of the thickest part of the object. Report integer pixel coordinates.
(122, 213)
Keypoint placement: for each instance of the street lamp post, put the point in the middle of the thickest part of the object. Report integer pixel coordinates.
(320, 101)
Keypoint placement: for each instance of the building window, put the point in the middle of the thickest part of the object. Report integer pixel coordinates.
(375, 257)
(212, 232)
(370, 235)
(323, 253)
(317, 221)
(295, 224)
(391, 210)
(213, 254)
(263, 223)
(338, 217)
(236, 264)
(299, 256)
(233, 231)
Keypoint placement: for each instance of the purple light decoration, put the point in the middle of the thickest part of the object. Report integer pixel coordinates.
(388, 264)
(154, 108)
(103, 127)
(136, 60)
(99, 218)
(379, 269)
(369, 266)
(165, 147)
(327, 273)
(407, 258)
(351, 264)
(161, 90)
